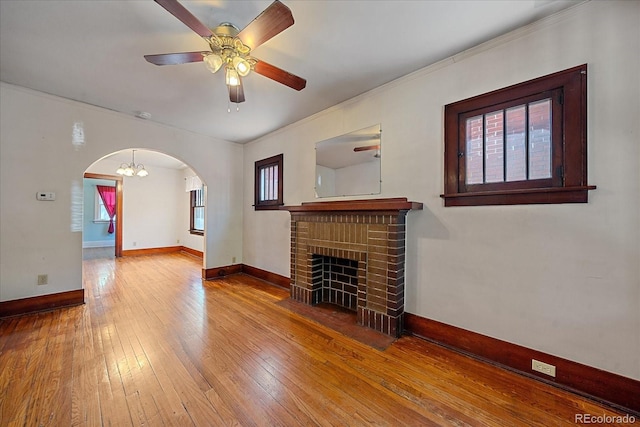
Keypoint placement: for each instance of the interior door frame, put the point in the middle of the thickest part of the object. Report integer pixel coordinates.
(119, 181)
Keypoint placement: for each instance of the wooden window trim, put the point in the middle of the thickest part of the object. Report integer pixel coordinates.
(261, 164)
(569, 173)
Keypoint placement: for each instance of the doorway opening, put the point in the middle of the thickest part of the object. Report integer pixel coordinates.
(99, 237)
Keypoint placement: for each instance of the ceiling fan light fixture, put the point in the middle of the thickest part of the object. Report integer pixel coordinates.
(241, 66)
(231, 47)
(231, 77)
(213, 62)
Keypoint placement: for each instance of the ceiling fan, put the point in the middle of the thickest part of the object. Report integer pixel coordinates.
(231, 47)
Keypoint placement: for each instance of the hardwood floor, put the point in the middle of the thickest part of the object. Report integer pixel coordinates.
(98, 253)
(155, 345)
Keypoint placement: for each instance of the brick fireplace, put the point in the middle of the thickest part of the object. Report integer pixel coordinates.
(352, 254)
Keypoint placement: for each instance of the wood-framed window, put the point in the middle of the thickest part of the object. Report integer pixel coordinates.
(524, 144)
(196, 212)
(268, 183)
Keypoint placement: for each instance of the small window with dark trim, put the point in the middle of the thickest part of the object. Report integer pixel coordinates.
(268, 183)
(523, 144)
(196, 225)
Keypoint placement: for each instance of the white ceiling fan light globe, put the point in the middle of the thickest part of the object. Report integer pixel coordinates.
(241, 66)
(231, 77)
(213, 62)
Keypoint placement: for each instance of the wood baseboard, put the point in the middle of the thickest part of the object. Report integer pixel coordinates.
(212, 273)
(151, 251)
(276, 279)
(193, 252)
(41, 303)
(161, 250)
(606, 387)
(267, 276)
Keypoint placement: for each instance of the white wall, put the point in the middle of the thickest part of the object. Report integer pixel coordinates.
(45, 237)
(562, 279)
(152, 209)
(358, 179)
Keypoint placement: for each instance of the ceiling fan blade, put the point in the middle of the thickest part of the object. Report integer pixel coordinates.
(279, 75)
(367, 147)
(180, 12)
(236, 93)
(175, 58)
(271, 22)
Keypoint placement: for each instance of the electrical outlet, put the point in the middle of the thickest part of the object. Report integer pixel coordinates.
(233, 260)
(134, 243)
(545, 368)
(43, 279)
(178, 241)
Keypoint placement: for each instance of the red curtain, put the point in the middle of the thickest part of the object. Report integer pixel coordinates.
(108, 196)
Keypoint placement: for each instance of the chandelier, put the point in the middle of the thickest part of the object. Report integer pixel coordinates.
(132, 169)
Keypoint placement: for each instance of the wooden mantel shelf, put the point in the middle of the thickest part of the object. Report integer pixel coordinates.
(366, 205)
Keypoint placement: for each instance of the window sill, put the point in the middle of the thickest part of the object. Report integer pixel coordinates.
(267, 207)
(197, 232)
(530, 196)
(102, 221)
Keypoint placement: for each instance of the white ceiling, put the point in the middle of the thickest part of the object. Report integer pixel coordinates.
(92, 51)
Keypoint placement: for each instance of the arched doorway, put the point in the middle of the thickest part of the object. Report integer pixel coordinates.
(155, 208)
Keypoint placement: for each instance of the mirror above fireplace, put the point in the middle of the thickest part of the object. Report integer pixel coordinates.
(349, 164)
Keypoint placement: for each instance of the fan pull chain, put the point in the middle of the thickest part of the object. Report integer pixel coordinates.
(237, 104)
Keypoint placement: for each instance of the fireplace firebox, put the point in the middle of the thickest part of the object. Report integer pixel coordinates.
(335, 281)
